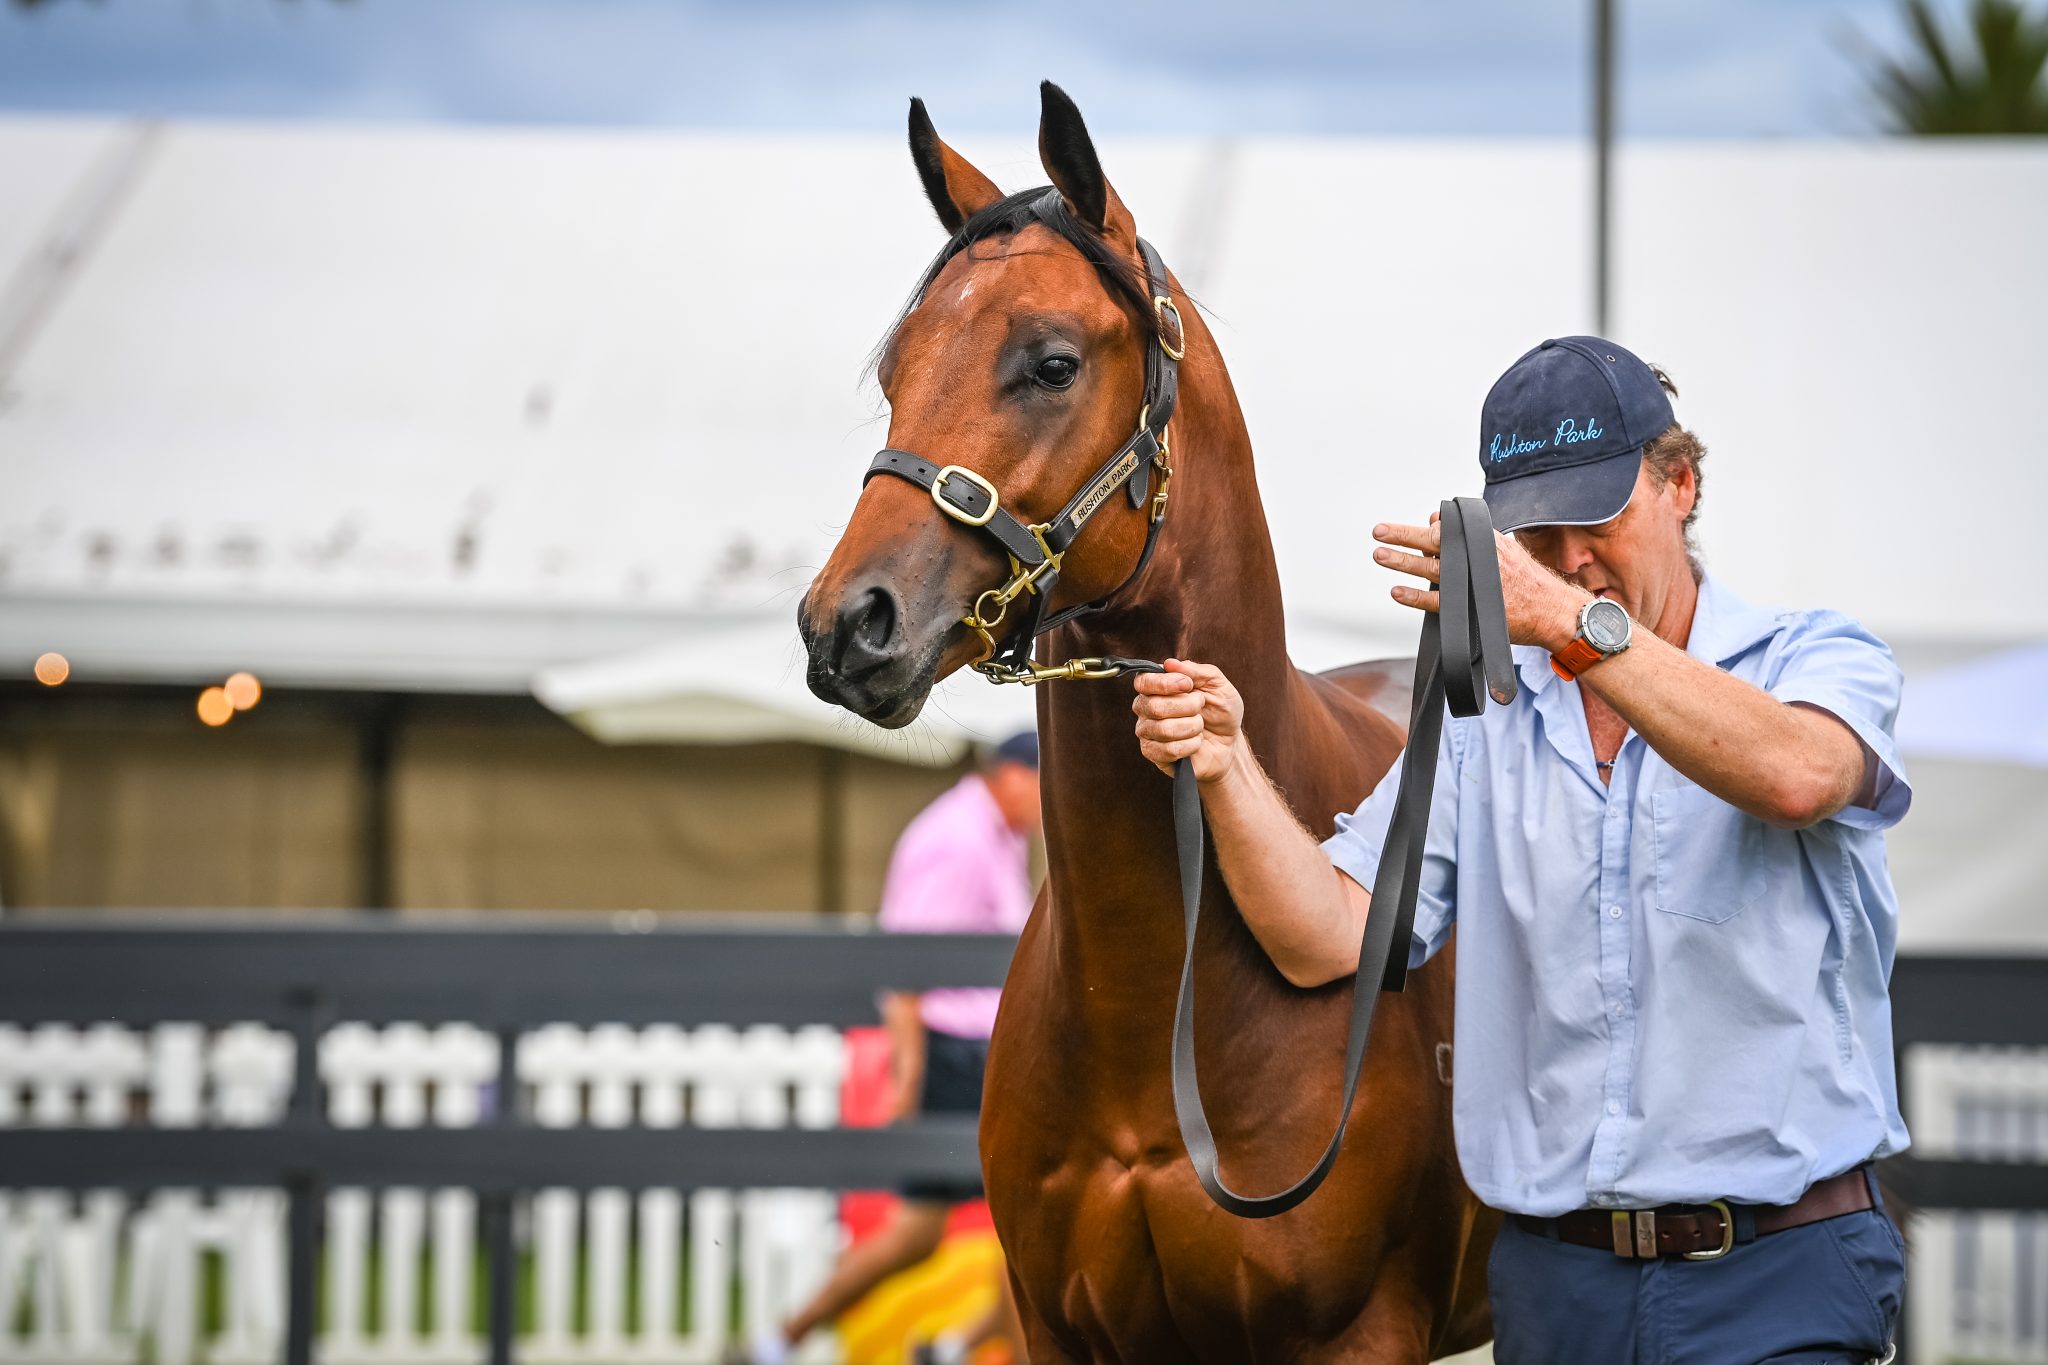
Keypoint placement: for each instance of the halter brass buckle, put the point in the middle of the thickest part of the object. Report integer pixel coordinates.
(1052, 556)
(1163, 460)
(1021, 579)
(954, 471)
(1161, 306)
(1165, 463)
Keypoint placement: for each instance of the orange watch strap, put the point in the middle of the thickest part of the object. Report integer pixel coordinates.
(1574, 659)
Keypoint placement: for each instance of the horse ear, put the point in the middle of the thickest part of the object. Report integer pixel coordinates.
(956, 189)
(1069, 158)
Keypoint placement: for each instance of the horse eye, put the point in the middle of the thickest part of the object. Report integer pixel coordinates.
(1057, 371)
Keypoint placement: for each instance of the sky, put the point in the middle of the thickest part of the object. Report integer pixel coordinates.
(1690, 68)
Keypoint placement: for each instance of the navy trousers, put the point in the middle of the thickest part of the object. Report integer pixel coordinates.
(1815, 1295)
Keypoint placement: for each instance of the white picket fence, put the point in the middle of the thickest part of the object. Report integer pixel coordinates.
(1979, 1281)
(103, 1278)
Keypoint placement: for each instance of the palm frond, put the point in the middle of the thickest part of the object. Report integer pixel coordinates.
(1994, 80)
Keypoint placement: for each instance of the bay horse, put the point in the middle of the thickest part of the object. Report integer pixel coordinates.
(1019, 365)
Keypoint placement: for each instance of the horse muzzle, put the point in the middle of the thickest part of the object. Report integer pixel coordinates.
(863, 658)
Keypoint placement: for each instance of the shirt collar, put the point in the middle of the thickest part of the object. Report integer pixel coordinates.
(1723, 627)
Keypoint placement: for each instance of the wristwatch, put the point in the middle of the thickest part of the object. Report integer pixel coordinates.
(1604, 631)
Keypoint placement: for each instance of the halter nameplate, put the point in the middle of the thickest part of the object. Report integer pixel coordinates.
(1111, 479)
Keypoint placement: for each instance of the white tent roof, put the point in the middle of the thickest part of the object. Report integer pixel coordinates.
(520, 377)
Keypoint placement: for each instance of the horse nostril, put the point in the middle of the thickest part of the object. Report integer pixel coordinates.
(880, 621)
(867, 632)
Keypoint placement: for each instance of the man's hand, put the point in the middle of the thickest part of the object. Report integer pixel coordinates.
(1189, 711)
(1306, 914)
(1543, 609)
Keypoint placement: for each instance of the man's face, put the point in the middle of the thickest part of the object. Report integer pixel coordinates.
(1636, 558)
(1015, 788)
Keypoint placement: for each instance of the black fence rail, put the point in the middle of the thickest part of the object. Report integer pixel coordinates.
(1971, 1001)
(511, 980)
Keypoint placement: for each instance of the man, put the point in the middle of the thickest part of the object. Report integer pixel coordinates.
(1666, 858)
(962, 866)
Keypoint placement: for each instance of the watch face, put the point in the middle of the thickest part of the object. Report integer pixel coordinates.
(1606, 626)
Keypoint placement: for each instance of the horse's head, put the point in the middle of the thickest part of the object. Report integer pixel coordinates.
(1021, 359)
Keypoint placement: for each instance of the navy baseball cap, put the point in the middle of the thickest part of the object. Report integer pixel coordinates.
(1021, 747)
(1562, 433)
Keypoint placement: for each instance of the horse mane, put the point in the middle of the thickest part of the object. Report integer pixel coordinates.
(1005, 218)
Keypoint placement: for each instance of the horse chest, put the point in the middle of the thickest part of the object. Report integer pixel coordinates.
(1095, 1264)
(1119, 1250)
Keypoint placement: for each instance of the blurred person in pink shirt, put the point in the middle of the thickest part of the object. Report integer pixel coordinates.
(962, 866)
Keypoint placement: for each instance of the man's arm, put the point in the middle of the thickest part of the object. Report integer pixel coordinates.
(1788, 764)
(1784, 763)
(905, 1027)
(1308, 916)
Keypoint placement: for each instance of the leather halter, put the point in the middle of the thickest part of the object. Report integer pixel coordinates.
(1462, 659)
(1036, 550)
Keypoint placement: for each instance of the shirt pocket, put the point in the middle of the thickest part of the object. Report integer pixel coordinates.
(1709, 856)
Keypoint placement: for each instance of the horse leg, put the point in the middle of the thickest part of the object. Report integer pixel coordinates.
(1039, 1346)
(1393, 1330)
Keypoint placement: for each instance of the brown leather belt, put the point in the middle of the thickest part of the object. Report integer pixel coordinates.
(1701, 1232)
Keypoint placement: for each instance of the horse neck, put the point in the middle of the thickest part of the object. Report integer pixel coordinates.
(1212, 594)
(1212, 591)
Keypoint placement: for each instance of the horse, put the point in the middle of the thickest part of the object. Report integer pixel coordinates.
(1020, 362)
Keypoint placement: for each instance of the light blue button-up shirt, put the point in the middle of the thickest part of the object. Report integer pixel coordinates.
(1660, 999)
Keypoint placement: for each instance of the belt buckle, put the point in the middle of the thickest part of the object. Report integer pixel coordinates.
(1727, 1235)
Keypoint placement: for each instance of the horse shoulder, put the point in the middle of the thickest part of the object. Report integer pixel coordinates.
(1386, 685)
(1345, 729)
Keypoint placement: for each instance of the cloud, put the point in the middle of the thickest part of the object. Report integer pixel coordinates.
(1487, 67)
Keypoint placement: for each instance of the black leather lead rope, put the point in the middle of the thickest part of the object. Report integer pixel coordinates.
(1468, 642)
(1462, 659)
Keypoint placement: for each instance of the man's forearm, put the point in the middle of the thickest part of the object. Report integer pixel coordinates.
(905, 1027)
(1306, 915)
(1785, 764)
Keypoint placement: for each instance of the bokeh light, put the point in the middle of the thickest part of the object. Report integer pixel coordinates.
(243, 690)
(52, 669)
(214, 706)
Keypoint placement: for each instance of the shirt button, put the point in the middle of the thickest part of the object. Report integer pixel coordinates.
(1613, 1108)
(1619, 1010)
(1614, 912)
